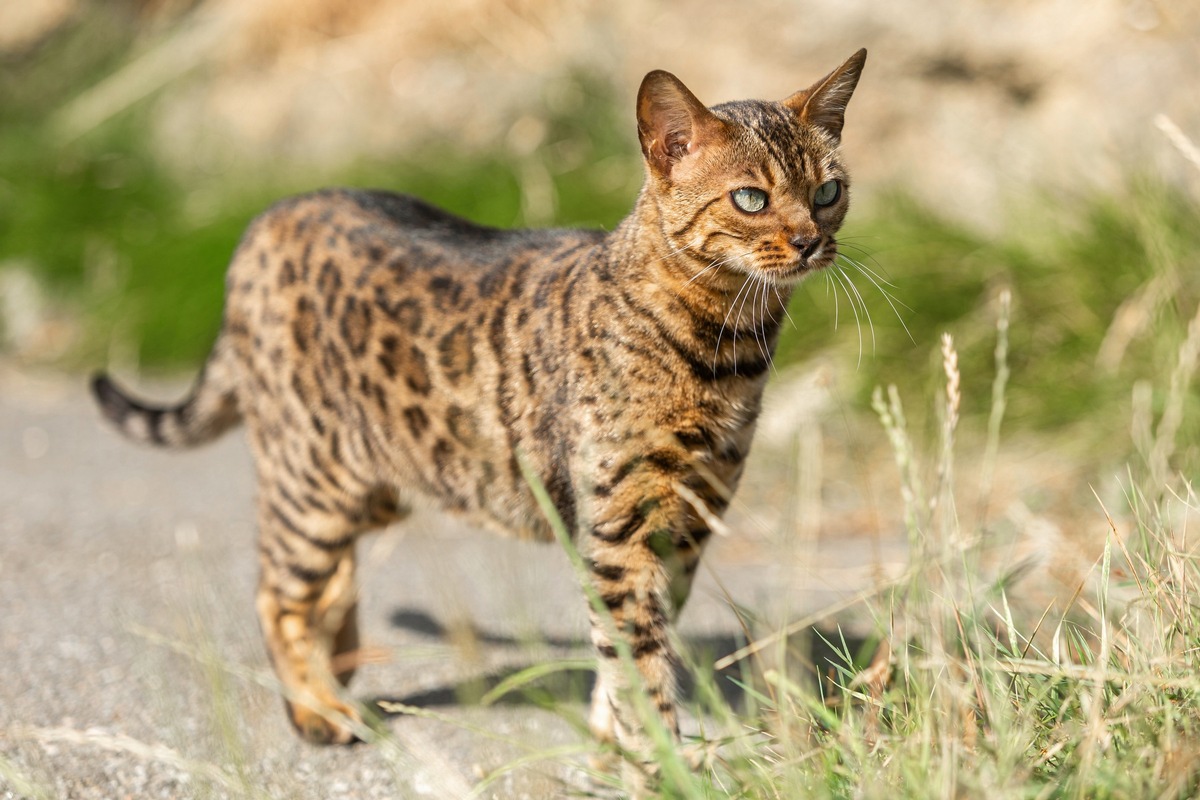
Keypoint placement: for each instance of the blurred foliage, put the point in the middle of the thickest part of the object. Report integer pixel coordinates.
(1070, 271)
(142, 256)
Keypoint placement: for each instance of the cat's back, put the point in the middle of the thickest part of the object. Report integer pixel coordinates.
(361, 229)
(352, 264)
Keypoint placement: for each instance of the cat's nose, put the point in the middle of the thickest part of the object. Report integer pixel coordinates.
(807, 245)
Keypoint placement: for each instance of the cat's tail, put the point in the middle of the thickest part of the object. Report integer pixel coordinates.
(206, 413)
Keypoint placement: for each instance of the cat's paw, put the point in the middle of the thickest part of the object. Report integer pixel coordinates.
(699, 755)
(335, 726)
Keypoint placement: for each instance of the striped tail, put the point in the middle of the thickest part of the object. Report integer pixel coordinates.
(210, 410)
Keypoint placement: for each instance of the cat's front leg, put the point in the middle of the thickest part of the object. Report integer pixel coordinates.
(630, 548)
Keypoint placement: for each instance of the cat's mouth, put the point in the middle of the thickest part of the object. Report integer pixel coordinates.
(811, 257)
(802, 266)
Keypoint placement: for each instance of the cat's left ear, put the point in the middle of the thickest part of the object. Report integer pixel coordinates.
(672, 123)
(824, 103)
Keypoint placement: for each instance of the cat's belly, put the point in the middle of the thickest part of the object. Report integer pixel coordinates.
(481, 480)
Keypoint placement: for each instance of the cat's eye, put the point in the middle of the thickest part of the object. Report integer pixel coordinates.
(749, 200)
(827, 193)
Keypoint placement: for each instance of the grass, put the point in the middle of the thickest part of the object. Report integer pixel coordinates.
(966, 697)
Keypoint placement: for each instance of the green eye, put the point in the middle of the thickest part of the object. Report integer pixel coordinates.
(749, 200)
(827, 193)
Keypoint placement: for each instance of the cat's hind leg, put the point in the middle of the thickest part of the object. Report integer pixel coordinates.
(307, 604)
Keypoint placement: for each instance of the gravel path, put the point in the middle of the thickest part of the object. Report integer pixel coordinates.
(131, 660)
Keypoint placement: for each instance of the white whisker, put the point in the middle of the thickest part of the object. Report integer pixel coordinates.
(737, 323)
(761, 331)
(678, 250)
(783, 305)
(724, 322)
(863, 305)
(891, 301)
(865, 269)
(719, 263)
(830, 285)
(841, 278)
(756, 328)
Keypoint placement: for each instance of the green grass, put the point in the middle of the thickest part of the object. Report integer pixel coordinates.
(1099, 699)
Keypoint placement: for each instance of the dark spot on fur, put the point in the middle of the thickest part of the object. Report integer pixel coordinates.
(329, 284)
(623, 529)
(695, 439)
(418, 421)
(456, 352)
(443, 464)
(287, 274)
(356, 325)
(305, 325)
(492, 280)
(616, 600)
(462, 425)
(416, 371)
(406, 313)
(609, 572)
(387, 357)
(447, 292)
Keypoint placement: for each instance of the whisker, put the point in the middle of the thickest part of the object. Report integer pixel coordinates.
(737, 323)
(865, 268)
(783, 305)
(678, 250)
(891, 301)
(830, 285)
(840, 277)
(873, 276)
(760, 334)
(724, 322)
(768, 353)
(853, 240)
(863, 305)
(718, 263)
(692, 279)
(868, 255)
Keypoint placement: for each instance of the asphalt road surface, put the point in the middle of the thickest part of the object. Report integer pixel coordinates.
(131, 664)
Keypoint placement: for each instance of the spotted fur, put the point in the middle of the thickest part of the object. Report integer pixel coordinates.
(379, 349)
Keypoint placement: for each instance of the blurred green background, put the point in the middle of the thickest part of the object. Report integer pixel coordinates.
(138, 139)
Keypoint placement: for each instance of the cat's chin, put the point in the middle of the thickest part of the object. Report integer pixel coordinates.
(791, 274)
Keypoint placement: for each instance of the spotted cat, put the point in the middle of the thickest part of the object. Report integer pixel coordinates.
(379, 349)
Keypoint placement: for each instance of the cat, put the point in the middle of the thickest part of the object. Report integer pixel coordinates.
(379, 349)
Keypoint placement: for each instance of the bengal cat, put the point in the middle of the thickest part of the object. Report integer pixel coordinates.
(380, 349)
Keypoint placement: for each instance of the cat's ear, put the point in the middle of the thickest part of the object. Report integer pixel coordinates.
(824, 103)
(672, 123)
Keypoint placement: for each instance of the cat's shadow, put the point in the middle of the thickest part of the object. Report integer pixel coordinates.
(574, 685)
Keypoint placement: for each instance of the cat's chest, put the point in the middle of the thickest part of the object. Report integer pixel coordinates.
(648, 406)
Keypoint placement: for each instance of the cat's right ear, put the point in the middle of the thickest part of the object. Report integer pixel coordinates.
(672, 123)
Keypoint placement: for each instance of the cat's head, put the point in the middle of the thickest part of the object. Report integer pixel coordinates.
(749, 187)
